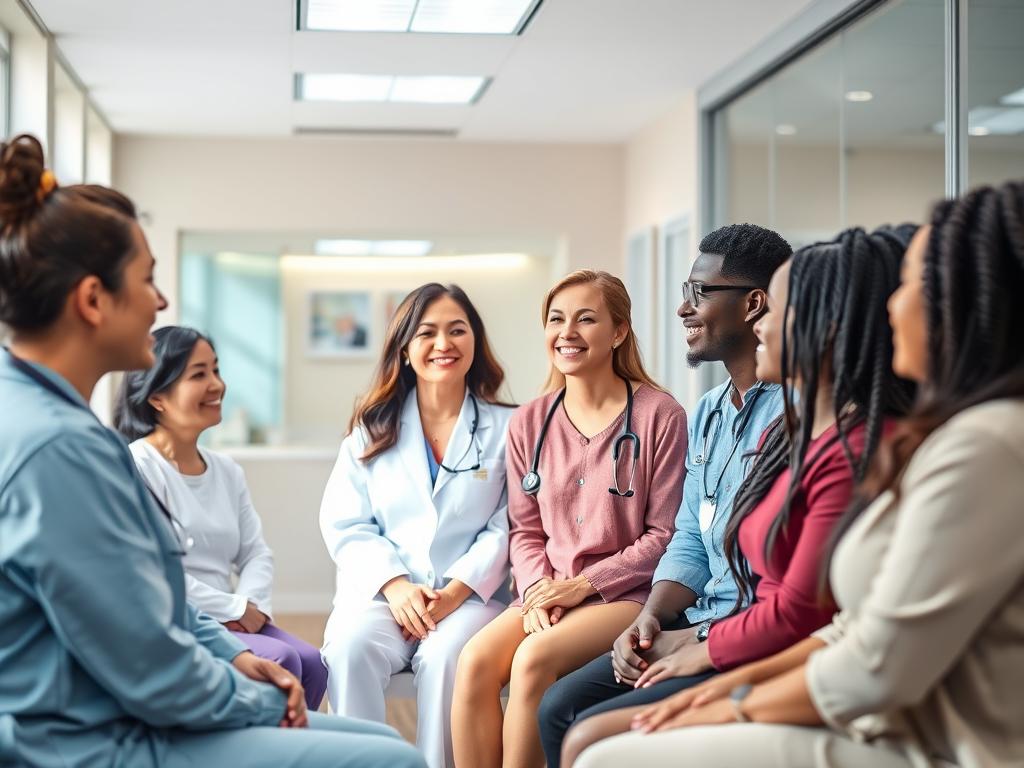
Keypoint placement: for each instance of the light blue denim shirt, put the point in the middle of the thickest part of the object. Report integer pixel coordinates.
(695, 558)
(99, 651)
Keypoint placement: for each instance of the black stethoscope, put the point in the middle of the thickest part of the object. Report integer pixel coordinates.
(472, 441)
(715, 419)
(531, 480)
(184, 541)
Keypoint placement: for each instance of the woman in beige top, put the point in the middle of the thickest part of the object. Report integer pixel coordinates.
(924, 665)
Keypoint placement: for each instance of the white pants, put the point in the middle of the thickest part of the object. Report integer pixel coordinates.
(365, 648)
(741, 745)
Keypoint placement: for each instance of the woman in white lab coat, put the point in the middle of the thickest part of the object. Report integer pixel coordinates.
(414, 515)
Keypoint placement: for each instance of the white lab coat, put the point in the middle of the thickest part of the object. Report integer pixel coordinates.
(382, 519)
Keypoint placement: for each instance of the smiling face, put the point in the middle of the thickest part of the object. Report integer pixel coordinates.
(580, 332)
(907, 314)
(769, 329)
(717, 327)
(443, 343)
(193, 403)
(131, 312)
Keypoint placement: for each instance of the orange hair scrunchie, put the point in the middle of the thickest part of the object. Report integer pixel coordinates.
(47, 183)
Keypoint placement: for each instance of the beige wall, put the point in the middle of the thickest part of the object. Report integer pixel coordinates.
(384, 188)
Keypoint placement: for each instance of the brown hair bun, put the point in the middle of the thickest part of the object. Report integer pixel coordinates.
(21, 171)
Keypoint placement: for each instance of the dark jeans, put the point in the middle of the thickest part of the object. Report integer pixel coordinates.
(592, 690)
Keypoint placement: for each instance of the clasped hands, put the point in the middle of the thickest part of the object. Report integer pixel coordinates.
(546, 601)
(267, 671)
(644, 655)
(418, 608)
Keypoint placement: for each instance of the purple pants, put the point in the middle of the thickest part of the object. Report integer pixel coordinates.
(297, 656)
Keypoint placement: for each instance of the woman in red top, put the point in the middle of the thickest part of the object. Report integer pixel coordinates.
(827, 340)
(595, 471)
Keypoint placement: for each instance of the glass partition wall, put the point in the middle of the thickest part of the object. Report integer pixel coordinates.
(848, 126)
(850, 133)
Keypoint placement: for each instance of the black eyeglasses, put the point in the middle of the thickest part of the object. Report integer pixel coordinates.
(693, 291)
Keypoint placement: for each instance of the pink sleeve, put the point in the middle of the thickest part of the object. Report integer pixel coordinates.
(526, 537)
(634, 566)
(797, 608)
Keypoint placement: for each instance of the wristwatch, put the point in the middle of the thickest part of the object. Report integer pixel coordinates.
(702, 630)
(739, 693)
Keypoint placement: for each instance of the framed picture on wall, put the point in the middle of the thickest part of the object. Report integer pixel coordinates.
(339, 324)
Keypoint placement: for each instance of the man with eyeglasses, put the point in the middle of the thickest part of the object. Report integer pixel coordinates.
(693, 586)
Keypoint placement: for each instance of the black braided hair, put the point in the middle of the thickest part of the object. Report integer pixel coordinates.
(837, 297)
(973, 284)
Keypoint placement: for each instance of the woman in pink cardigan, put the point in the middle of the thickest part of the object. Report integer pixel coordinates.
(590, 514)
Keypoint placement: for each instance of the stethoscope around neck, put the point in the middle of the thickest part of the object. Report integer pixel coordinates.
(531, 480)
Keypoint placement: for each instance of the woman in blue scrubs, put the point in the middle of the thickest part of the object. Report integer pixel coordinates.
(102, 660)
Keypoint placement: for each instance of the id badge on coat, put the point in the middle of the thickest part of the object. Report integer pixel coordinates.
(706, 515)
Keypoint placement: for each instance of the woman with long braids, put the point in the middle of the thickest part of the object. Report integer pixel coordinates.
(924, 664)
(826, 340)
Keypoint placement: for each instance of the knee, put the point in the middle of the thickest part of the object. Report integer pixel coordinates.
(310, 658)
(581, 735)
(476, 674)
(349, 651)
(288, 658)
(533, 668)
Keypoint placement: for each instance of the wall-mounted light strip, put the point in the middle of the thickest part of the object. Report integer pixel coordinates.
(327, 247)
(425, 264)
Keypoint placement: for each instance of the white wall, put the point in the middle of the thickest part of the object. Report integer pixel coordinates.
(30, 74)
(661, 185)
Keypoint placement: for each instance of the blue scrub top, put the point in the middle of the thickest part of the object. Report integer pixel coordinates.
(99, 649)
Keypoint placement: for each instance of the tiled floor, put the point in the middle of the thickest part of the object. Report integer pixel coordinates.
(310, 627)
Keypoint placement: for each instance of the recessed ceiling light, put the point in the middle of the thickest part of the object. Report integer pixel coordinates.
(785, 129)
(372, 247)
(377, 88)
(979, 130)
(331, 87)
(859, 96)
(437, 90)
(481, 17)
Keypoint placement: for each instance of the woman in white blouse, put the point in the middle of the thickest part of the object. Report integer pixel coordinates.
(163, 411)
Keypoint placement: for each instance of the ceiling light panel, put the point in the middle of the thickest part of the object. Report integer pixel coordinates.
(479, 17)
(335, 87)
(397, 89)
(359, 15)
(437, 90)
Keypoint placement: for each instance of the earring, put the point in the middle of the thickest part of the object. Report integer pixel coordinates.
(406, 361)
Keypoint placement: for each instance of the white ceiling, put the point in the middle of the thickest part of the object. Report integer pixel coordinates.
(584, 70)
